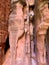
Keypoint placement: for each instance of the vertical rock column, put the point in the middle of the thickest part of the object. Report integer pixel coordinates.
(41, 50)
(32, 42)
(16, 30)
(27, 34)
(33, 56)
(42, 26)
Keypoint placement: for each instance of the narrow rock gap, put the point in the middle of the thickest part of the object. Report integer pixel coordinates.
(6, 45)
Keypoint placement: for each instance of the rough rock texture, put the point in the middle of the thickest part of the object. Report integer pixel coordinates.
(47, 46)
(16, 31)
(4, 13)
(21, 51)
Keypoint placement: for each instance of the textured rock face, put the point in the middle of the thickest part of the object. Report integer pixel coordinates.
(19, 51)
(41, 49)
(4, 13)
(45, 12)
(47, 46)
(16, 31)
(20, 54)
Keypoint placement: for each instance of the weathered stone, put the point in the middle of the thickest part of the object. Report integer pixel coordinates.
(21, 51)
(4, 14)
(16, 30)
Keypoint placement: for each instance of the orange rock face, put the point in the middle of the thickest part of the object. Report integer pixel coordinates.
(4, 14)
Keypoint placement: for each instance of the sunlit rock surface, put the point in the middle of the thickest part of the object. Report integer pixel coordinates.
(42, 41)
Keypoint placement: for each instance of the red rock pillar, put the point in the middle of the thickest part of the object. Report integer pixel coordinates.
(27, 35)
(16, 31)
(33, 55)
(41, 50)
(32, 42)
